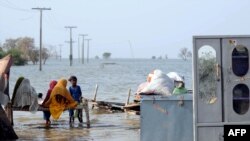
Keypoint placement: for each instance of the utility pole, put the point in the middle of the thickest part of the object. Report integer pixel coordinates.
(70, 58)
(41, 20)
(88, 50)
(79, 59)
(83, 35)
(60, 45)
(70, 41)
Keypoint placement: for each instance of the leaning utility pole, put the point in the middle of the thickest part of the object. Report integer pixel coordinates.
(83, 35)
(88, 50)
(70, 41)
(41, 18)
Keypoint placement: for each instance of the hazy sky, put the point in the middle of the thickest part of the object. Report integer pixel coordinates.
(154, 27)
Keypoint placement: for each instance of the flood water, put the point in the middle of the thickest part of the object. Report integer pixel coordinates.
(114, 80)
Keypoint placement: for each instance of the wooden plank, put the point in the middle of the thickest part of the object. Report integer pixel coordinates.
(129, 92)
(116, 106)
(109, 103)
(86, 108)
(132, 105)
(95, 94)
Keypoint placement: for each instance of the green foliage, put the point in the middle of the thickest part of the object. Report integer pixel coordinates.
(207, 77)
(23, 50)
(17, 57)
(2, 53)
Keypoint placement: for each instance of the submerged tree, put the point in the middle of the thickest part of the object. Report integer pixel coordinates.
(17, 57)
(25, 44)
(19, 48)
(106, 55)
(185, 54)
(9, 44)
(34, 56)
(45, 55)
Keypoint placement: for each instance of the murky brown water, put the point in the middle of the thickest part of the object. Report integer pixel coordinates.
(104, 127)
(114, 82)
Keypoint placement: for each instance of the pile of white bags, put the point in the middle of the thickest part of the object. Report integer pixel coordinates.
(159, 83)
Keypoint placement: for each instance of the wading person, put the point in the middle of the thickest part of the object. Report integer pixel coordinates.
(46, 114)
(60, 99)
(76, 93)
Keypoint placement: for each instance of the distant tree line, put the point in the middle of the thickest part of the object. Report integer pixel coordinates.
(23, 50)
(184, 54)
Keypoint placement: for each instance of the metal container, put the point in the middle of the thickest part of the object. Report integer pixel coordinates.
(221, 84)
(167, 118)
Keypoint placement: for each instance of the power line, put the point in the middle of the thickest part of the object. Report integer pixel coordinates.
(53, 22)
(13, 7)
(41, 17)
(27, 18)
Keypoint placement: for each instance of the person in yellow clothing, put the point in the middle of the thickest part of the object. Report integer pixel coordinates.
(60, 99)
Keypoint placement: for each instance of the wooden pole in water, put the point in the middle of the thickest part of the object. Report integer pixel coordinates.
(95, 93)
(129, 92)
(86, 108)
(127, 102)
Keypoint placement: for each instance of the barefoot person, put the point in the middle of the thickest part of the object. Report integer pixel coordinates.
(75, 91)
(60, 99)
(46, 114)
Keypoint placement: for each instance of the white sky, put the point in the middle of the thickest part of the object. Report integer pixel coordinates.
(154, 27)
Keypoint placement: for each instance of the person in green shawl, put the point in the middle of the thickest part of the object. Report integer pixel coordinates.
(180, 89)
